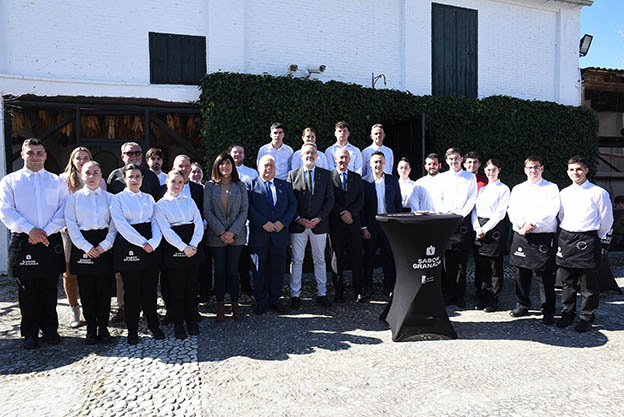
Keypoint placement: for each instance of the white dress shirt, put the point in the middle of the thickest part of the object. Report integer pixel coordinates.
(584, 208)
(366, 155)
(186, 190)
(246, 174)
(282, 156)
(380, 189)
(458, 192)
(419, 199)
(355, 162)
(321, 161)
(89, 210)
(406, 190)
(492, 203)
(537, 204)
(272, 188)
(33, 200)
(128, 208)
(431, 185)
(176, 211)
(162, 178)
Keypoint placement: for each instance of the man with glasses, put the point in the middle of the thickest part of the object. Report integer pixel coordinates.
(533, 208)
(131, 154)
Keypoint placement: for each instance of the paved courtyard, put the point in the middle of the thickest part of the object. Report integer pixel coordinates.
(323, 362)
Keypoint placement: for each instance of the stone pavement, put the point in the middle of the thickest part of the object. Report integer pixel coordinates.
(339, 361)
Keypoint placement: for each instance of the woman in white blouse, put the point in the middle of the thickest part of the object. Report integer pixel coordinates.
(491, 228)
(405, 183)
(135, 253)
(182, 227)
(88, 220)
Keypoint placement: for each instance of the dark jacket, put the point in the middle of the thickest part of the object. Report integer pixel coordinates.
(312, 204)
(352, 199)
(260, 212)
(392, 197)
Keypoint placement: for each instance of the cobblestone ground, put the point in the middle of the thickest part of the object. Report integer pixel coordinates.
(337, 361)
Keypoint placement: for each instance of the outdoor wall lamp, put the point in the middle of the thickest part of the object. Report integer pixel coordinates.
(292, 68)
(586, 41)
(315, 69)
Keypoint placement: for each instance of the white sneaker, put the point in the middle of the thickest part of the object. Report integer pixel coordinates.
(76, 319)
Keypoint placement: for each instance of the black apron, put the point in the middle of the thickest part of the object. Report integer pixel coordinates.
(129, 257)
(80, 263)
(33, 261)
(172, 257)
(578, 249)
(494, 243)
(534, 251)
(463, 236)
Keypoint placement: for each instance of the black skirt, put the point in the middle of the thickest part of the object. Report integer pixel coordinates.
(463, 236)
(129, 257)
(534, 251)
(32, 261)
(80, 263)
(494, 243)
(578, 249)
(172, 257)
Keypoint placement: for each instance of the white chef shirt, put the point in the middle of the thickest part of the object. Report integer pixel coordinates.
(355, 161)
(321, 161)
(584, 208)
(366, 155)
(406, 190)
(431, 184)
(89, 210)
(419, 199)
(176, 211)
(458, 192)
(128, 208)
(534, 203)
(33, 200)
(282, 156)
(492, 203)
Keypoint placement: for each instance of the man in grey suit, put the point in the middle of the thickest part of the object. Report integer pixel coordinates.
(315, 198)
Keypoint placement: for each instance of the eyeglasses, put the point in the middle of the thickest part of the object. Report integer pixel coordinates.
(132, 153)
(533, 168)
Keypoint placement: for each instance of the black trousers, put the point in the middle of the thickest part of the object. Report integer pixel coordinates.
(37, 302)
(477, 271)
(378, 240)
(587, 279)
(268, 273)
(204, 275)
(490, 274)
(454, 275)
(244, 268)
(182, 295)
(546, 284)
(346, 240)
(140, 295)
(95, 295)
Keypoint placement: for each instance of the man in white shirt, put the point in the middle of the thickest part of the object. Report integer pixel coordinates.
(533, 208)
(154, 158)
(32, 203)
(586, 216)
(430, 181)
(341, 132)
(458, 195)
(377, 135)
(281, 152)
(245, 174)
(308, 136)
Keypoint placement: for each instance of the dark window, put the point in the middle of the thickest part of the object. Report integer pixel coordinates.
(454, 51)
(176, 59)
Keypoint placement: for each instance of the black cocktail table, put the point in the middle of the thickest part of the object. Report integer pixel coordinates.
(418, 243)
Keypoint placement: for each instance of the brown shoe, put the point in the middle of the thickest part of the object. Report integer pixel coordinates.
(236, 313)
(220, 312)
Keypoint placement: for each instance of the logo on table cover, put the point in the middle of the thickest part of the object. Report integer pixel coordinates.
(520, 252)
(430, 250)
(430, 261)
(424, 279)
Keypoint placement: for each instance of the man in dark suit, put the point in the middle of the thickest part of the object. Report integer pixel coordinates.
(344, 226)
(382, 194)
(315, 198)
(272, 207)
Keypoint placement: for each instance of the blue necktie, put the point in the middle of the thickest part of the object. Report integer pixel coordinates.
(344, 181)
(269, 193)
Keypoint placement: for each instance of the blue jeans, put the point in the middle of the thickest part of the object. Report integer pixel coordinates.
(226, 270)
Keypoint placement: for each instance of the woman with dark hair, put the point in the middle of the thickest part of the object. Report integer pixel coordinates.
(78, 157)
(135, 252)
(182, 227)
(488, 221)
(88, 219)
(225, 210)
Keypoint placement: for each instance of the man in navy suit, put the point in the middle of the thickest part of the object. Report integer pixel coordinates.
(272, 207)
(382, 194)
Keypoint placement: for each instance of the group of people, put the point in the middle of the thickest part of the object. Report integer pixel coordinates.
(142, 225)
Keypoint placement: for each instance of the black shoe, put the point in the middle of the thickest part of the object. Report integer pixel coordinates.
(119, 316)
(168, 319)
(192, 328)
(548, 319)
(295, 303)
(491, 308)
(157, 334)
(133, 339)
(339, 297)
(260, 309)
(323, 301)
(582, 326)
(104, 336)
(481, 305)
(565, 320)
(91, 337)
(279, 308)
(519, 312)
(460, 301)
(31, 342)
(361, 298)
(52, 339)
(179, 332)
